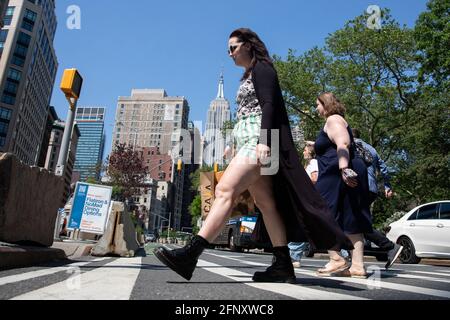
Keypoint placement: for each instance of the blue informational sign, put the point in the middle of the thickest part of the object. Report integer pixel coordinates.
(90, 208)
(78, 205)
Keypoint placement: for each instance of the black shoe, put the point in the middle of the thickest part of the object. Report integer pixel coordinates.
(393, 255)
(183, 261)
(281, 270)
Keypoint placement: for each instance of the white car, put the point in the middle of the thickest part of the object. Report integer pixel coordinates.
(424, 232)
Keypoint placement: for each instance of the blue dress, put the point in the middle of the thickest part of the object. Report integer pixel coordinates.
(350, 205)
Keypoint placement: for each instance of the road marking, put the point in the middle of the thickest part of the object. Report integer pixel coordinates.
(289, 290)
(386, 285)
(113, 281)
(412, 276)
(44, 272)
(433, 273)
(365, 282)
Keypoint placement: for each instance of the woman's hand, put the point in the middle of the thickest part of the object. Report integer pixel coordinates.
(350, 177)
(263, 154)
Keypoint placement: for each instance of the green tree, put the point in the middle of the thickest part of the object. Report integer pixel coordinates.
(195, 209)
(432, 34)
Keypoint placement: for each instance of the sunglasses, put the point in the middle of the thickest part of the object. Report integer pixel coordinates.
(232, 48)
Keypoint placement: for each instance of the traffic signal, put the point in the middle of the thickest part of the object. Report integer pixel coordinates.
(71, 83)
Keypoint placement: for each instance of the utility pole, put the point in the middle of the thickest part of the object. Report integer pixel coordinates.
(71, 86)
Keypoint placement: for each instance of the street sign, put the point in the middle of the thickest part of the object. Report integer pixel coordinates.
(90, 208)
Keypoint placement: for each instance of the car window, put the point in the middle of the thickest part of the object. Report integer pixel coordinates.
(445, 211)
(428, 212)
(413, 216)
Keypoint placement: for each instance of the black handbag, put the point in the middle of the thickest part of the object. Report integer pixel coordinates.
(363, 153)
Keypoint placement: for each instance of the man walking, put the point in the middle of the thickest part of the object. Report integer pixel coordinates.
(378, 165)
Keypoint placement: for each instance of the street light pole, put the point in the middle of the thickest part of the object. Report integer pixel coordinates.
(65, 145)
(71, 86)
(168, 230)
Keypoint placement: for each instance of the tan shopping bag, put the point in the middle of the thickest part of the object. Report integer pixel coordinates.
(244, 205)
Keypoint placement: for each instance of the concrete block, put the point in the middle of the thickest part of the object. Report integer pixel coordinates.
(29, 202)
(120, 235)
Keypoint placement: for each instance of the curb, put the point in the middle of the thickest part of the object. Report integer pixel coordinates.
(22, 257)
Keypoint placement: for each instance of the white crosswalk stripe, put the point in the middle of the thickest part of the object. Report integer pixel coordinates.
(289, 290)
(367, 282)
(45, 272)
(113, 281)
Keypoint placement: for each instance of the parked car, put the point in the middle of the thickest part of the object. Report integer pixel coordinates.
(150, 237)
(424, 232)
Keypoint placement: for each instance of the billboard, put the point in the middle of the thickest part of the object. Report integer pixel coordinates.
(90, 208)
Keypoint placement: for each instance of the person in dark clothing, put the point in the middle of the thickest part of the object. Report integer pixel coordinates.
(343, 183)
(394, 250)
(292, 210)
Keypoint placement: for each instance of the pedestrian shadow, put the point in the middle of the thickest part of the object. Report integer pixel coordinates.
(210, 282)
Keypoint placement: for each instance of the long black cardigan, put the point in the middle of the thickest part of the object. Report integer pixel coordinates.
(305, 213)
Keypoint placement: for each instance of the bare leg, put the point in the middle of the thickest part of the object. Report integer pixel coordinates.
(262, 193)
(336, 262)
(237, 178)
(357, 253)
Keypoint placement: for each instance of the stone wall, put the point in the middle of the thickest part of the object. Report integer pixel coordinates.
(29, 202)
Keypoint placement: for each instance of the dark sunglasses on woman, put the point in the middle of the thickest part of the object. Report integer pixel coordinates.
(233, 47)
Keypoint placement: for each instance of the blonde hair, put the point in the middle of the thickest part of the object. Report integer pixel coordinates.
(331, 104)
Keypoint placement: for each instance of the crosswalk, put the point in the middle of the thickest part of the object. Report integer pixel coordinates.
(145, 278)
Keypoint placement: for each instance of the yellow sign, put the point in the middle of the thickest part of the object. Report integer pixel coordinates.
(71, 83)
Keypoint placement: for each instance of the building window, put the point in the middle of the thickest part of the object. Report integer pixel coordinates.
(8, 16)
(14, 74)
(28, 20)
(3, 36)
(5, 117)
(24, 39)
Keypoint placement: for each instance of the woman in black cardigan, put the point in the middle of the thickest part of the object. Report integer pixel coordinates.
(292, 209)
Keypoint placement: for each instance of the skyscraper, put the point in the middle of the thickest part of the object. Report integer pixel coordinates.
(218, 113)
(90, 149)
(28, 67)
(150, 118)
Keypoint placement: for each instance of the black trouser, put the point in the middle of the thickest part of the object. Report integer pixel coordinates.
(376, 236)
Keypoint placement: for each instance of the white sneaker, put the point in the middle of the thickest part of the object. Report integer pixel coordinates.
(296, 264)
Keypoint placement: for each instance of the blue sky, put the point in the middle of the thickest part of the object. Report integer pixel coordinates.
(181, 45)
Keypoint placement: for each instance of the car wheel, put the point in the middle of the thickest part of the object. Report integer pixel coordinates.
(232, 245)
(408, 255)
(309, 253)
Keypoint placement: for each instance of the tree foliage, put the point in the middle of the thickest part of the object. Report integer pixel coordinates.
(126, 171)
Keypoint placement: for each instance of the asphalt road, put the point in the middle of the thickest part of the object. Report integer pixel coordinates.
(221, 275)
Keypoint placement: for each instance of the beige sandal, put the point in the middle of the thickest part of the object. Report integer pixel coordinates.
(350, 274)
(327, 271)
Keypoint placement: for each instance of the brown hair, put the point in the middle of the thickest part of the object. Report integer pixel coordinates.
(311, 149)
(258, 49)
(331, 104)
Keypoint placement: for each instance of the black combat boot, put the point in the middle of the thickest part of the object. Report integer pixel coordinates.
(280, 271)
(183, 260)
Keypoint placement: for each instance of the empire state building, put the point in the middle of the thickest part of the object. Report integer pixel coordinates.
(218, 113)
